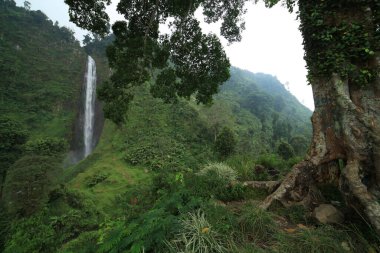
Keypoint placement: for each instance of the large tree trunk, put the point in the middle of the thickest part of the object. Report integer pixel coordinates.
(346, 130)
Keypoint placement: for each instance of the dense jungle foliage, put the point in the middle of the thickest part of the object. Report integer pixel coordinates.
(170, 179)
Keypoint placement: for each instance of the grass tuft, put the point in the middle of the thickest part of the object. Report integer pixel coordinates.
(257, 224)
(314, 240)
(221, 170)
(197, 236)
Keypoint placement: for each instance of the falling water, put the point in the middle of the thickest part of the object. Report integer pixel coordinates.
(89, 107)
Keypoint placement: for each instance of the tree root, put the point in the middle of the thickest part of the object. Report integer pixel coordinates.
(297, 187)
(270, 186)
(353, 187)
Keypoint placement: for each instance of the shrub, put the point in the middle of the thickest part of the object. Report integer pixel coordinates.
(4, 226)
(12, 137)
(213, 186)
(243, 164)
(95, 179)
(86, 242)
(46, 146)
(221, 218)
(28, 183)
(157, 154)
(257, 224)
(221, 170)
(225, 143)
(31, 235)
(58, 223)
(299, 144)
(293, 161)
(271, 161)
(285, 150)
(197, 236)
(148, 232)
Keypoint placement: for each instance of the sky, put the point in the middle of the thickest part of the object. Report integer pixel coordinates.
(271, 42)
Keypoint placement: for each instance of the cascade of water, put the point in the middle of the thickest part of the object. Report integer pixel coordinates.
(89, 107)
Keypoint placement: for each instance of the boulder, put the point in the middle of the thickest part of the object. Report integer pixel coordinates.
(328, 214)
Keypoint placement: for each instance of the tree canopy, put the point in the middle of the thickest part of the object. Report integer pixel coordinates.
(179, 64)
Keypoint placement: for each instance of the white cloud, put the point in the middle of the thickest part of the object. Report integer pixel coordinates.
(271, 44)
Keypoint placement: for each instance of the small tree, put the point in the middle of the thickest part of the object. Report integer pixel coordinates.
(46, 147)
(28, 183)
(12, 137)
(285, 150)
(87, 39)
(225, 143)
(299, 144)
(27, 5)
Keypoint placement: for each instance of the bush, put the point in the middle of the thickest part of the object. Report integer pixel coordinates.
(257, 224)
(225, 143)
(285, 150)
(211, 185)
(46, 146)
(12, 137)
(271, 161)
(95, 179)
(157, 154)
(4, 226)
(148, 233)
(221, 170)
(299, 144)
(197, 236)
(28, 183)
(243, 164)
(58, 223)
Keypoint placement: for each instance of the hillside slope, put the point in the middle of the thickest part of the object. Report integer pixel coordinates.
(157, 147)
(260, 110)
(161, 137)
(41, 69)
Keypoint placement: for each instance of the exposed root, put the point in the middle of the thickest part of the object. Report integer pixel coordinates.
(353, 187)
(270, 186)
(295, 188)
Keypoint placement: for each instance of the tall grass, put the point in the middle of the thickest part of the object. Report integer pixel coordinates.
(257, 224)
(313, 240)
(197, 236)
(221, 170)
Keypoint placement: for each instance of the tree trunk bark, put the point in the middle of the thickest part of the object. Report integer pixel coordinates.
(346, 128)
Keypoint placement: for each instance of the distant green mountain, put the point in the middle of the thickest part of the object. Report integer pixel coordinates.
(261, 111)
(282, 101)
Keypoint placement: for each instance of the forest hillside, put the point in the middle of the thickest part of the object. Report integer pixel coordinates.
(175, 177)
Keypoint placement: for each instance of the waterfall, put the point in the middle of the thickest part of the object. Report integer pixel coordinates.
(89, 107)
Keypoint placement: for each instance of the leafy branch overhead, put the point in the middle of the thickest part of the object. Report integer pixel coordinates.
(181, 64)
